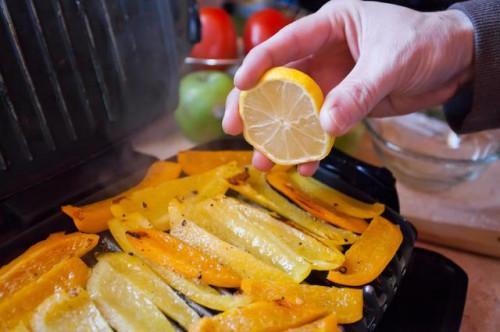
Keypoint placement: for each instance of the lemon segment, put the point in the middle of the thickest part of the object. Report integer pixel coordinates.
(281, 117)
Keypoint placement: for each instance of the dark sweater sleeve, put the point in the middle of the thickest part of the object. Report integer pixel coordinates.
(477, 106)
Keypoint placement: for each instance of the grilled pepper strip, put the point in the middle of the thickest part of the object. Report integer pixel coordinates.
(73, 311)
(196, 291)
(347, 303)
(255, 187)
(243, 263)
(368, 257)
(153, 286)
(318, 255)
(66, 275)
(125, 307)
(93, 218)
(197, 162)
(335, 199)
(260, 316)
(326, 324)
(220, 216)
(282, 182)
(41, 257)
(153, 202)
(165, 250)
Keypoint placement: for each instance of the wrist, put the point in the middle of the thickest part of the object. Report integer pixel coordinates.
(462, 36)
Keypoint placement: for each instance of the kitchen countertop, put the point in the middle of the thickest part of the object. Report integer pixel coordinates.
(482, 308)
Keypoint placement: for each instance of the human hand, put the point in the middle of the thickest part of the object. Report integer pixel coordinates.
(368, 58)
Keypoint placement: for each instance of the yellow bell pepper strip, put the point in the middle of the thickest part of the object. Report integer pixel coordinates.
(153, 202)
(281, 181)
(21, 327)
(256, 189)
(243, 263)
(335, 199)
(193, 289)
(260, 316)
(165, 250)
(368, 257)
(196, 162)
(326, 324)
(93, 218)
(220, 217)
(153, 286)
(318, 255)
(125, 307)
(41, 257)
(68, 311)
(66, 275)
(347, 303)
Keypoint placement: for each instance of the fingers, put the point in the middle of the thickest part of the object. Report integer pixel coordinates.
(261, 162)
(231, 123)
(296, 41)
(308, 169)
(353, 98)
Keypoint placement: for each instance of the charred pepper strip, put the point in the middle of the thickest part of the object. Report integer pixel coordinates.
(153, 202)
(335, 199)
(256, 188)
(368, 257)
(220, 217)
(93, 218)
(240, 261)
(165, 250)
(282, 182)
(194, 290)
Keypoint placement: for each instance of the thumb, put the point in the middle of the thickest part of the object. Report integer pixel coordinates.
(352, 99)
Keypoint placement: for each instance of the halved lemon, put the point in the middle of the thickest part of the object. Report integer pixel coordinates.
(281, 117)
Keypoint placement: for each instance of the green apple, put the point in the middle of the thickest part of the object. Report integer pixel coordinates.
(202, 97)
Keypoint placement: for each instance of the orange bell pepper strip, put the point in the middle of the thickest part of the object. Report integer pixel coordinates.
(93, 218)
(165, 250)
(67, 275)
(260, 316)
(367, 258)
(195, 162)
(281, 181)
(41, 257)
(347, 303)
(326, 324)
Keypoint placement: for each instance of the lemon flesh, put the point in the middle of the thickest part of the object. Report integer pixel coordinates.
(281, 117)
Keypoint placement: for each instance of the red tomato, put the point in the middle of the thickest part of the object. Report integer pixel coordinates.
(262, 25)
(218, 35)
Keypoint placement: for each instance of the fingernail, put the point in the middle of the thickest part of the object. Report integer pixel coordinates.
(236, 79)
(224, 123)
(329, 123)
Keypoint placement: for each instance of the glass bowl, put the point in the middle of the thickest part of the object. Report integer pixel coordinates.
(425, 154)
